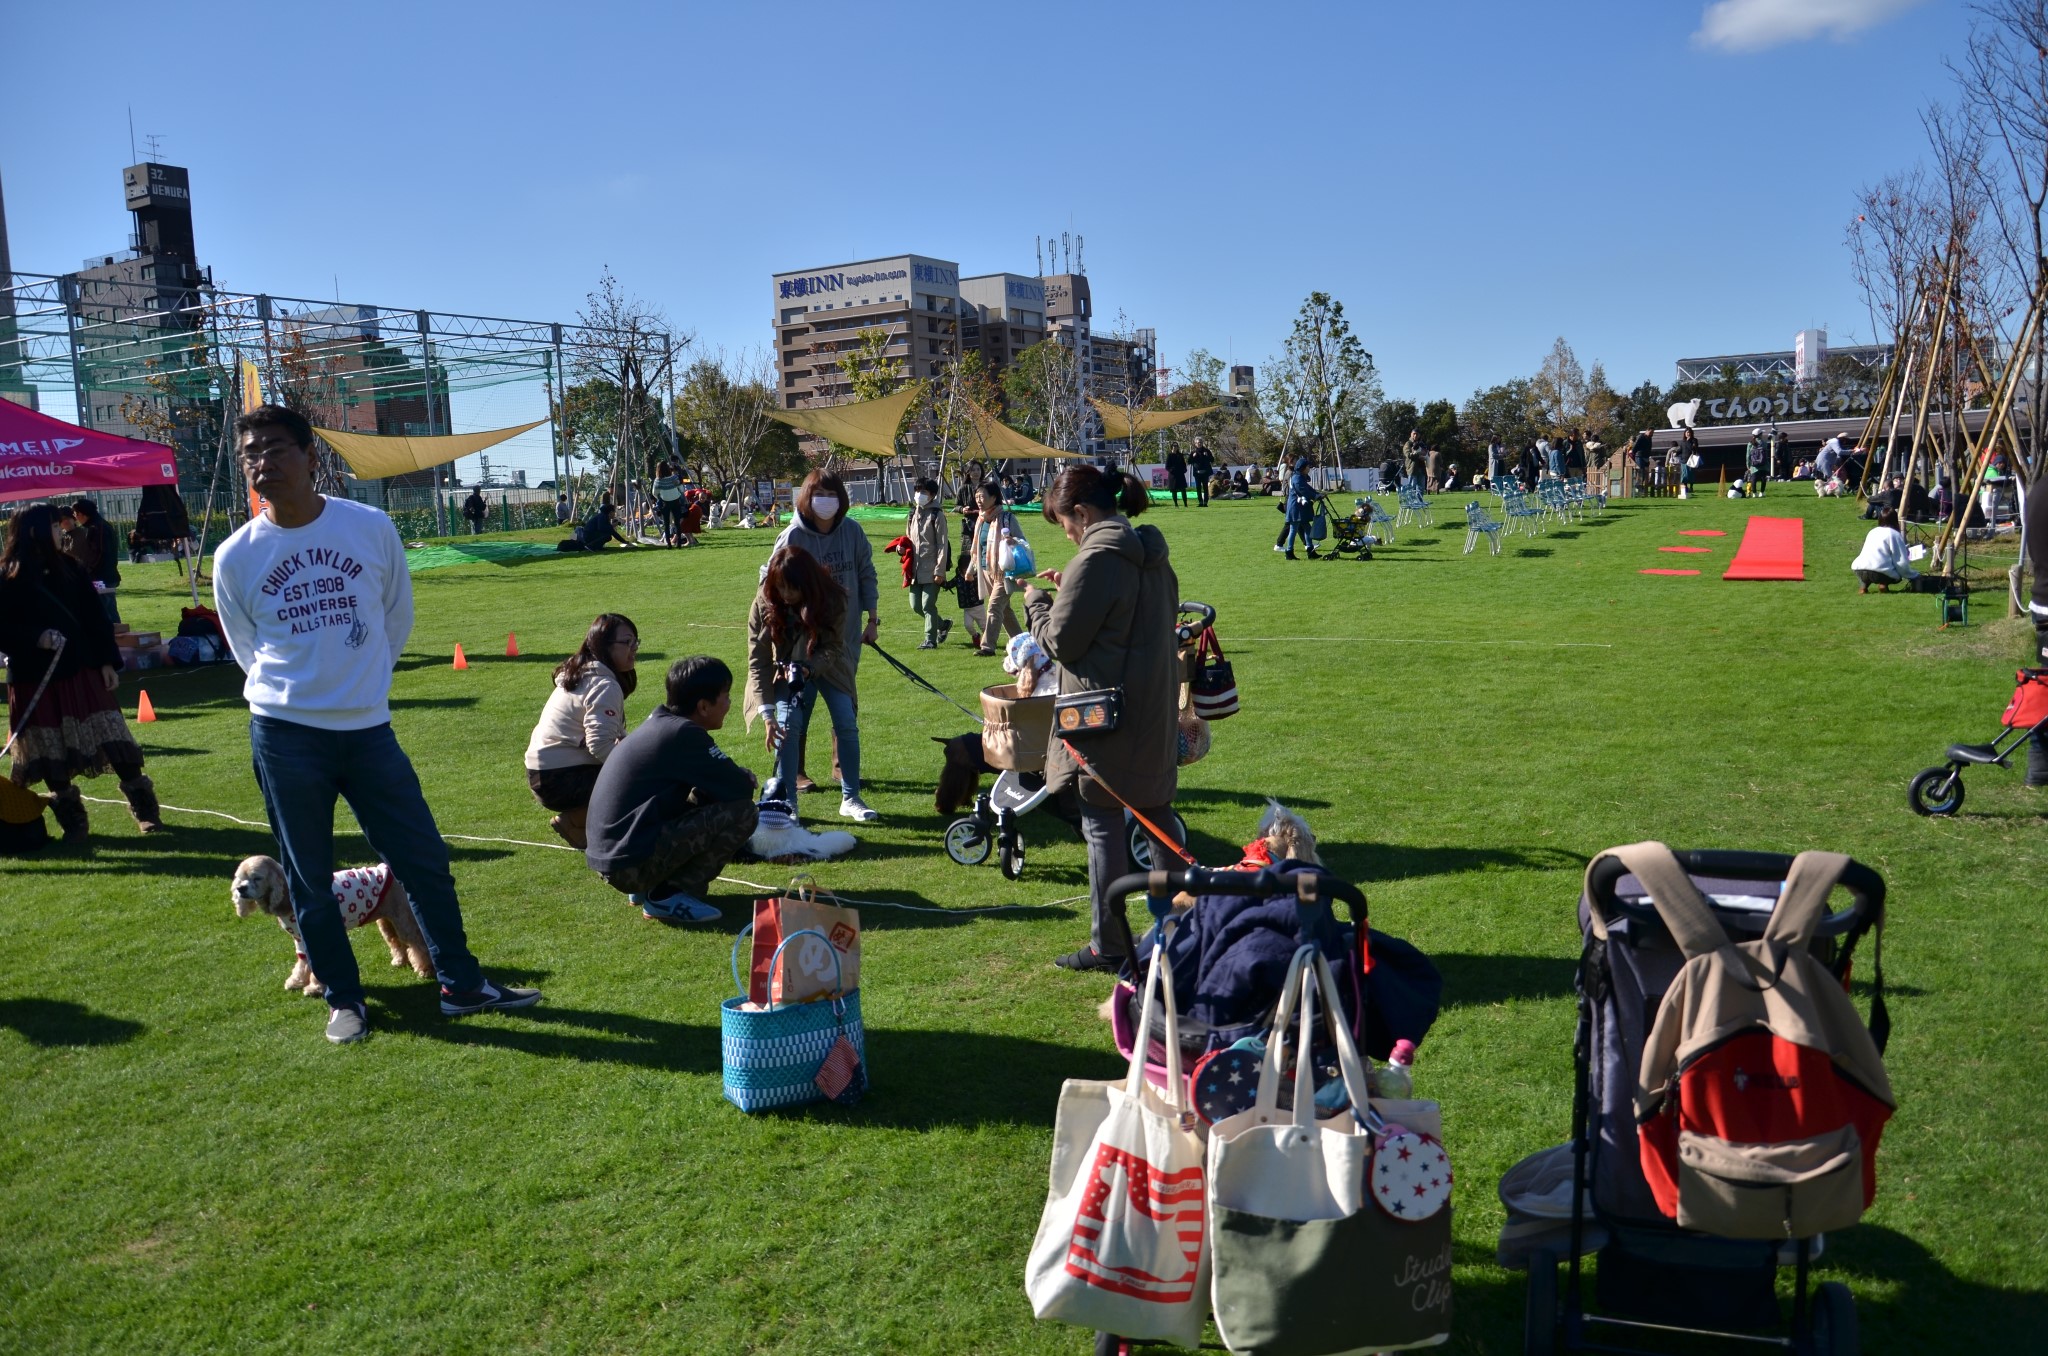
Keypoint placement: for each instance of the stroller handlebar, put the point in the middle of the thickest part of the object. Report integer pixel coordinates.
(1864, 885)
(1308, 886)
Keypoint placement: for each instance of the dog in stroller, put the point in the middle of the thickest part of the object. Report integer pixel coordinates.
(1351, 535)
(1016, 728)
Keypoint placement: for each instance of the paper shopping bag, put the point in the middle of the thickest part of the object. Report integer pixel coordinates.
(1122, 1244)
(807, 971)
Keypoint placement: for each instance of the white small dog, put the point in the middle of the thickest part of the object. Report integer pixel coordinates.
(370, 894)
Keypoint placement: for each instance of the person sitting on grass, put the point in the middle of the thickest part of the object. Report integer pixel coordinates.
(584, 720)
(597, 532)
(1883, 560)
(669, 809)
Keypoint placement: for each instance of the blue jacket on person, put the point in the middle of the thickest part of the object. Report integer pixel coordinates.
(1301, 496)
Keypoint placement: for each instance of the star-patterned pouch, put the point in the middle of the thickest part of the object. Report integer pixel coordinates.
(1411, 1174)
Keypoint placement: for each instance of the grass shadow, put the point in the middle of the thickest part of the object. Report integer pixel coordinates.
(1368, 862)
(1480, 981)
(412, 703)
(1534, 552)
(919, 1079)
(52, 1022)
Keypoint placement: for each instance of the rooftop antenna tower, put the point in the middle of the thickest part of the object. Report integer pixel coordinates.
(1079, 267)
(1038, 253)
(152, 139)
(1067, 250)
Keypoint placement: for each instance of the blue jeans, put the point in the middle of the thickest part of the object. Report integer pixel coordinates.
(1302, 531)
(301, 770)
(795, 717)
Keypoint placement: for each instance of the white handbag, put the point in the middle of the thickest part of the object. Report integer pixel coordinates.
(1305, 1259)
(1122, 1245)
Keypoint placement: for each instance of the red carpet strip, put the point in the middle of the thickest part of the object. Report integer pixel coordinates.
(1772, 548)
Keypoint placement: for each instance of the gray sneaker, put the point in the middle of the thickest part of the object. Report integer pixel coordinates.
(346, 1026)
(853, 807)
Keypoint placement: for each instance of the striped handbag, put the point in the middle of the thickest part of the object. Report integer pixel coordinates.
(790, 1054)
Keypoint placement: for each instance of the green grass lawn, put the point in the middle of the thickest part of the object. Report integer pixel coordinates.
(186, 1166)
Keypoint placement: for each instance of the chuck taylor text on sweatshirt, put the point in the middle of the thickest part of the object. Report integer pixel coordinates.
(316, 615)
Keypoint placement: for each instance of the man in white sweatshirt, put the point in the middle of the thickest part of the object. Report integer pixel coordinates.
(315, 599)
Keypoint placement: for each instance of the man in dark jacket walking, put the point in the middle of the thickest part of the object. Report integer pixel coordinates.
(1177, 477)
(1202, 466)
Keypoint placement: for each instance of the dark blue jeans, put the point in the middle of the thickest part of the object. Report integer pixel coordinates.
(301, 771)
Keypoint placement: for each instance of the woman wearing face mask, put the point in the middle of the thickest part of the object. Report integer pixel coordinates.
(797, 651)
(822, 531)
(931, 560)
(1110, 625)
(584, 720)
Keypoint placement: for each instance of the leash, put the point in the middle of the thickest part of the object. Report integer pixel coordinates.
(30, 709)
(920, 681)
(1158, 834)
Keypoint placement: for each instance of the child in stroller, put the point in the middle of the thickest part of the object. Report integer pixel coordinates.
(1350, 534)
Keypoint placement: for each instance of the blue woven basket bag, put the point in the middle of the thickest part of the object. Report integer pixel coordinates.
(789, 1054)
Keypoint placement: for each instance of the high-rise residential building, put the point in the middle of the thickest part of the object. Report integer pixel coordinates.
(1003, 314)
(932, 316)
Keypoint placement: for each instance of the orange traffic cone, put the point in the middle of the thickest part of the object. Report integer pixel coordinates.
(461, 660)
(511, 645)
(144, 712)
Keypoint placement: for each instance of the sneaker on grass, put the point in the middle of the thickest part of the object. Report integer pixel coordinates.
(346, 1026)
(1088, 958)
(853, 807)
(490, 998)
(676, 909)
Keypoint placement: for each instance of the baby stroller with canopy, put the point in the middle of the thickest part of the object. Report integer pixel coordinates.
(1939, 790)
(1594, 1195)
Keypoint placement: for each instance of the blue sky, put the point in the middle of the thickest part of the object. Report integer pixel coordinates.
(1649, 178)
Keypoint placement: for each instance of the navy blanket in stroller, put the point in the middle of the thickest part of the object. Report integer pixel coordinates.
(1229, 956)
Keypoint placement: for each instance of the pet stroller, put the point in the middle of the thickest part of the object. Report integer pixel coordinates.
(1593, 1195)
(1015, 733)
(1390, 991)
(1939, 790)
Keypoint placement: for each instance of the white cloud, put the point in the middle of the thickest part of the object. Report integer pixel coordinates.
(1753, 25)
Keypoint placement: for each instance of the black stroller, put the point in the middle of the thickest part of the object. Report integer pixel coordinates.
(1351, 538)
(1939, 790)
(1654, 1276)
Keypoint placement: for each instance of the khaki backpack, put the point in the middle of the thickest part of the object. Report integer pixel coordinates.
(1762, 1095)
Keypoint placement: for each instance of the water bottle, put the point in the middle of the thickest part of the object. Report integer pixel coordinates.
(1397, 1076)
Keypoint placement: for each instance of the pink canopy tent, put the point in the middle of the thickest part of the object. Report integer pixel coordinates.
(45, 458)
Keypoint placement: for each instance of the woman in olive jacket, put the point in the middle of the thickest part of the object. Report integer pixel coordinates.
(1110, 625)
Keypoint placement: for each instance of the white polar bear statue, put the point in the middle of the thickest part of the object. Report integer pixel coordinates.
(1683, 413)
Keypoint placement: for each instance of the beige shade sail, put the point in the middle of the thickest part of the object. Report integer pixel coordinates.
(373, 456)
(1119, 422)
(866, 426)
(992, 438)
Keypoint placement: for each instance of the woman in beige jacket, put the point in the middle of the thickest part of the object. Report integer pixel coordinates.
(584, 720)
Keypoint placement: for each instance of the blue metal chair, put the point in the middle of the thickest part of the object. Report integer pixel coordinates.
(1477, 522)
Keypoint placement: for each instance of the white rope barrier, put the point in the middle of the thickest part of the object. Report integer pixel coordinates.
(729, 880)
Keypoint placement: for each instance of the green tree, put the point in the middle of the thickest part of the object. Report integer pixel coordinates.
(1339, 387)
(1392, 422)
(721, 415)
(1041, 389)
(1438, 425)
(871, 373)
(1559, 389)
(1507, 412)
